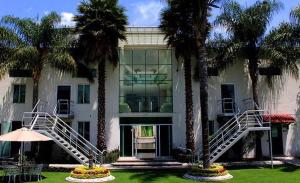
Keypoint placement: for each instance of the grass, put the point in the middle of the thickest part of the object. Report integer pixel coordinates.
(288, 174)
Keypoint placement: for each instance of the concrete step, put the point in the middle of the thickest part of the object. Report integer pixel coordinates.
(134, 159)
(147, 164)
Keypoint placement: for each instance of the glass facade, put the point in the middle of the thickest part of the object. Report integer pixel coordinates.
(146, 80)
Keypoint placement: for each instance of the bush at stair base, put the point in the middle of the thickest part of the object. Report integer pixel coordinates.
(215, 170)
(83, 172)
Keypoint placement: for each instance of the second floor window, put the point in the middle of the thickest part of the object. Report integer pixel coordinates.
(83, 94)
(19, 93)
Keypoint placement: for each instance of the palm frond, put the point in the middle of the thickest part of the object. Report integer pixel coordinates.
(26, 28)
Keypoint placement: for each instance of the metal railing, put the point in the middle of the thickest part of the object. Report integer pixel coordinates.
(42, 121)
(227, 106)
(239, 125)
(64, 107)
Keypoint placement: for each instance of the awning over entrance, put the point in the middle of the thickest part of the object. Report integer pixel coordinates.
(279, 118)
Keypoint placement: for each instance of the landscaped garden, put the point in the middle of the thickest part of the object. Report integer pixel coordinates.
(285, 174)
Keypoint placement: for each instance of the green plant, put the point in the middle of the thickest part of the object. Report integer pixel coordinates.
(84, 172)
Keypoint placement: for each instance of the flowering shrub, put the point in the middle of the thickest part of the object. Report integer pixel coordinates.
(213, 171)
(83, 172)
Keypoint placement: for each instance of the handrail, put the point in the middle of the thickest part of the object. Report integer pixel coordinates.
(70, 139)
(226, 129)
(68, 133)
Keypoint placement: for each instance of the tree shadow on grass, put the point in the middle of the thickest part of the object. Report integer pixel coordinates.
(4, 179)
(155, 175)
(289, 168)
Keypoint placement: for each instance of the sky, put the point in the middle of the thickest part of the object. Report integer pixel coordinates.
(139, 12)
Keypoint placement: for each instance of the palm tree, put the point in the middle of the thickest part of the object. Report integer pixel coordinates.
(33, 44)
(201, 27)
(248, 41)
(100, 25)
(176, 23)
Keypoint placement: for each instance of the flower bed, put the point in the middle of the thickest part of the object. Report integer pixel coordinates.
(214, 171)
(83, 172)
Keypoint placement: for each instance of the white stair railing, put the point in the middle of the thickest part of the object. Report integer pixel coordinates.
(64, 135)
(235, 129)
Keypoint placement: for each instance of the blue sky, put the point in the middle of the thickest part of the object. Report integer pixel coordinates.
(140, 12)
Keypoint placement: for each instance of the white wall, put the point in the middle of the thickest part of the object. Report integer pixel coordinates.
(10, 111)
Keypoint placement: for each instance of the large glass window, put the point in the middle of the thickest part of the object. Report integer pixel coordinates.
(146, 80)
(19, 93)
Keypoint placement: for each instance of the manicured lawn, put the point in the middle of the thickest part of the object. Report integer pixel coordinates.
(251, 175)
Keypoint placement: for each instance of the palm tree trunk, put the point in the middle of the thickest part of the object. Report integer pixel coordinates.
(35, 90)
(253, 71)
(201, 24)
(204, 105)
(101, 106)
(189, 114)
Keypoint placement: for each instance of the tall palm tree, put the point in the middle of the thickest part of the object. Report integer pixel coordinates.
(32, 44)
(100, 25)
(248, 41)
(176, 23)
(201, 10)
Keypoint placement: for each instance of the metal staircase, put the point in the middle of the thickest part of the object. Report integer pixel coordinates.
(62, 134)
(235, 129)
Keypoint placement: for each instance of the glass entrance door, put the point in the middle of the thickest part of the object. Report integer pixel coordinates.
(145, 141)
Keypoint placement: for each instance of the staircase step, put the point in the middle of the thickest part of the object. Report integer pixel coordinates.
(147, 163)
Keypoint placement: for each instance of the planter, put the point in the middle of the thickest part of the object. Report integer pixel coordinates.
(201, 178)
(104, 179)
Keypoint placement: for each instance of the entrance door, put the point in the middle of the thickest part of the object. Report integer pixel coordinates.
(228, 98)
(126, 141)
(164, 140)
(277, 139)
(63, 99)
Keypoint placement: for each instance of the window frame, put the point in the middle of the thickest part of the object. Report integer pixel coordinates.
(21, 98)
(84, 100)
(160, 97)
(83, 130)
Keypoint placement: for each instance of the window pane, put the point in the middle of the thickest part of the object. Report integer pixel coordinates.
(16, 94)
(22, 93)
(80, 94)
(165, 72)
(166, 104)
(126, 72)
(139, 57)
(126, 57)
(87, 94)
(165, 89)
(165, 56)
(152, 57)
(147, 81)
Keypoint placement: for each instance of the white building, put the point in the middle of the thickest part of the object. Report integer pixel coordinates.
(145, 101)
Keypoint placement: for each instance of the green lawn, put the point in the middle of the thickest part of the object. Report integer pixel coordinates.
(251, 175)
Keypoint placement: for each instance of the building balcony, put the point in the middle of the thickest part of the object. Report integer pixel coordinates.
(64, 109)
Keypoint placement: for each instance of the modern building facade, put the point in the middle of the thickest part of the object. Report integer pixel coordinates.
(145, 101)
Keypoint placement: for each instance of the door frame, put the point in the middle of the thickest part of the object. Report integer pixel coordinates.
(157, 150)
(235, 93)
(63, 85)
